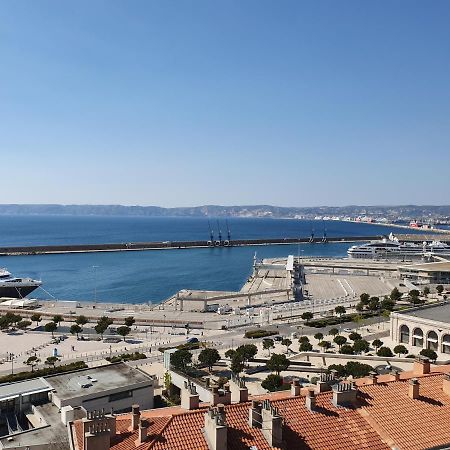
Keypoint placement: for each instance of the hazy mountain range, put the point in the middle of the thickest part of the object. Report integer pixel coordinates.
(392, 212)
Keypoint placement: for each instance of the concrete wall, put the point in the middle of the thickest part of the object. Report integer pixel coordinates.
(142, 394)
(178, 380)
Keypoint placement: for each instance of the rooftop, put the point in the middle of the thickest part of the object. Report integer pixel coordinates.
(11, 390)
(383, 417)
(439, 312)
(97, 379)
(443, 266)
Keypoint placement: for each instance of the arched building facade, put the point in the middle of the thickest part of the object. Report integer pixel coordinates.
(423, 327)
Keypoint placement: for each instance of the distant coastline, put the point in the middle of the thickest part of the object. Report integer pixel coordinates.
(392, 214)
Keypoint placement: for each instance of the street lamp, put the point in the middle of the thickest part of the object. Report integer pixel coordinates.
(95, 283)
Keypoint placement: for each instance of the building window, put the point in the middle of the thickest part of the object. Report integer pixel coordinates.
(404, 334)
(120, 396)
(417, 337)
(432, 341)
(446, 343)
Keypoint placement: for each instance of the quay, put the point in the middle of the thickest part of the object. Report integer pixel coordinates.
(167, 245)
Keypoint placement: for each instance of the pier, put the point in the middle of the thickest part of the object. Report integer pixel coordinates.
(168, 245)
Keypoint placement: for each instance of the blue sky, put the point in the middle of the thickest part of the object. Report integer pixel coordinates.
(178, 103)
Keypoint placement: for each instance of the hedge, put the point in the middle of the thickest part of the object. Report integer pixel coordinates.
(255, 334)
(20, 376)
(126, 357)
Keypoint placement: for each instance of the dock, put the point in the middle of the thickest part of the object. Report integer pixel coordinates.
(170, 245)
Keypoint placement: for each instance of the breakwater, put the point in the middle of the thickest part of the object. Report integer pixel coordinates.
(167, 245)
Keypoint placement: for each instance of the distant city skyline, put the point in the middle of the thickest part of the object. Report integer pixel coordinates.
(181, 104)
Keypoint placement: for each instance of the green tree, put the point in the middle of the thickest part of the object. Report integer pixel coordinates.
(100, 329)
(387, 304)
(81, 320)
(414, 295)
(123, 331)
(167, 380)
(23, 324)
(364, 298)
(353, 368)
(377, 343)
(325, 345)
(354, 336)
(36, 318)
(76, 329)
(305, 347)
(278, 363)
(400, 350)
(237, 364)
(307, 316)
(359, 307)
(105, 320)
(361, 346)
(180, 359)
(333, 331)
(346, 350)
(318, 336)
(426, 291)
(286, 342)
(58, 318)
(339, 310)
(302, 339)
(230, 353)
(268, 344)
(247, 352)
(51, 361)
(385, 352)
(50, 327)
(209, 357)
(32, 361)
(272, 382)
(395, 295)
(428, 353)
(340, 340)
(439, 289)
(374, 304)
(129, 321)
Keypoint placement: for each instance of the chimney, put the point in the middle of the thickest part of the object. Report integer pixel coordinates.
(325, 381)
(295, 388)
(310, 400)
(344, 394)
(421, 366)
(219, 396)
(413, 391)
(135, 416)
(239, 391)
(272, 424)
(255, 415)
(96, 431)
(446, 384)
(143, 428)
(372, 378)
(190, 398)
(215, 431)
(396, 375)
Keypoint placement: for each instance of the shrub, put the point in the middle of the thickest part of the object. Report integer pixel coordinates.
(431, 354)
(272, 382)
(43, 372)
(126, 357)
(255, 334)
(385, 352)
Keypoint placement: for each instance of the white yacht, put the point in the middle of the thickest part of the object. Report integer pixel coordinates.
(392, 247)
(13, 287)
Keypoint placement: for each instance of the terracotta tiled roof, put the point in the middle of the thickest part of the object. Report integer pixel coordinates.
(384, 417)
(328, 428)
(407, 423)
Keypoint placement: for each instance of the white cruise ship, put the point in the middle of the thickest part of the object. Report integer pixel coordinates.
(391, 247)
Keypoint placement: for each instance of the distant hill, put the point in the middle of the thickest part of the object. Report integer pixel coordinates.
(390, 212)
